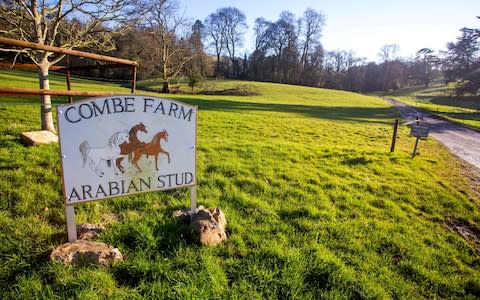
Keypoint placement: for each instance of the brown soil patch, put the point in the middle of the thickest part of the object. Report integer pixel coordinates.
(469, 232)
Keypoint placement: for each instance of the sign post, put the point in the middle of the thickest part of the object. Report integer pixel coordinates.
(420, 132)
(71, 227)
(125, 145)
(193, 200)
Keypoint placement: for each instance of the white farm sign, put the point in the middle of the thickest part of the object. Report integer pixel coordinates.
(123, 145)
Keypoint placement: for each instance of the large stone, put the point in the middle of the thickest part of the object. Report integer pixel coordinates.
(82, 252)
(35, 138)
(208, 226)
(89, 231)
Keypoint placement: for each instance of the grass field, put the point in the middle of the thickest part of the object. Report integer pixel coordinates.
(317, 207)
(440, 100)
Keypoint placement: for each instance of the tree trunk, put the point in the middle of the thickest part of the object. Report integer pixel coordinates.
(166, 87)
(234, 68)
(46, 115)
(217, 71)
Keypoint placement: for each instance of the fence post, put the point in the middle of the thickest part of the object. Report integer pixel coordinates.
(394, 137)
(134, 79)
(69, 86)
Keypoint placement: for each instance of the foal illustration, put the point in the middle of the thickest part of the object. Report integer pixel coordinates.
(153, 148)
(94, 155)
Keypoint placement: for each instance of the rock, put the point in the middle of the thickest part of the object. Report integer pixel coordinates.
(89, 231)
(182, 215)
(83, 253)
(208, 226)
(35, 138)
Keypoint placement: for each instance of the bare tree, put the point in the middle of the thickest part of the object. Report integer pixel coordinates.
(282, 41)
(258, 57)
(311, 26)
(388, 52)
(312, 72)
(261, 33)
(276, 49)
(215, 31)
(171, 53)
(233, 23)
(63, 23)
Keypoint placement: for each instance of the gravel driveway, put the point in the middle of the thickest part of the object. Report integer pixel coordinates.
(462, 142)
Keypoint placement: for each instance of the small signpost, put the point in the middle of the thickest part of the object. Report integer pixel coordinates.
(420, 132)
(124, 145)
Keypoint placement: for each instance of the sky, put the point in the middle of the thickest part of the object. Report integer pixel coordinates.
(363, 26)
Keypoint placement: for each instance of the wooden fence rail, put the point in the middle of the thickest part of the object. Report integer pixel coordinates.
(24, 44)
(36, 92)
(116, 63)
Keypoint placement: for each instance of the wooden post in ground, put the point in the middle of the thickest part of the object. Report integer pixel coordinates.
(134, 79)
(394, 137)
(69, 86)
(415, 147)
(416, 142)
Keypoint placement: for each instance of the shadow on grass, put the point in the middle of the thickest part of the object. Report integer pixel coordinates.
(474, 116)
(156, 247)
(34, 100)
(345, 113)
(356, 161)
(470, 102)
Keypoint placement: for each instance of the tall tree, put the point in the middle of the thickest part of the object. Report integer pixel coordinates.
(196, 68)
(214, 29)
(67, 24)
(258, 57)
(388, 54)
(312, 72)
(282, 40)
(424, 65)
(233, 24)
(311, 26)
(462, 61)
(164, 22)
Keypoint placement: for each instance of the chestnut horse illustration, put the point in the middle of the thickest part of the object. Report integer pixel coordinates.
(133, 143)
(153, 148)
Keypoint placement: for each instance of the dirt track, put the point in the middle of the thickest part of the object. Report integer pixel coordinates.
(462, 142)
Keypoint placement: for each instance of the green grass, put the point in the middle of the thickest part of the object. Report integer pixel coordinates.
(440, 100)
(29, 79)
(316, 206)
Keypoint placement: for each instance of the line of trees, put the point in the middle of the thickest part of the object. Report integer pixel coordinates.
(168, 45)
(289, 50)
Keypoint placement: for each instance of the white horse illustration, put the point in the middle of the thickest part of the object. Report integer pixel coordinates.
(111, 151)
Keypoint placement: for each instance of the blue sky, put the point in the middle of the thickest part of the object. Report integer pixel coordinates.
(364, 25)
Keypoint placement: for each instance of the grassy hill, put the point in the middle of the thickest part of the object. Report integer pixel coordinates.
(316, 205)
